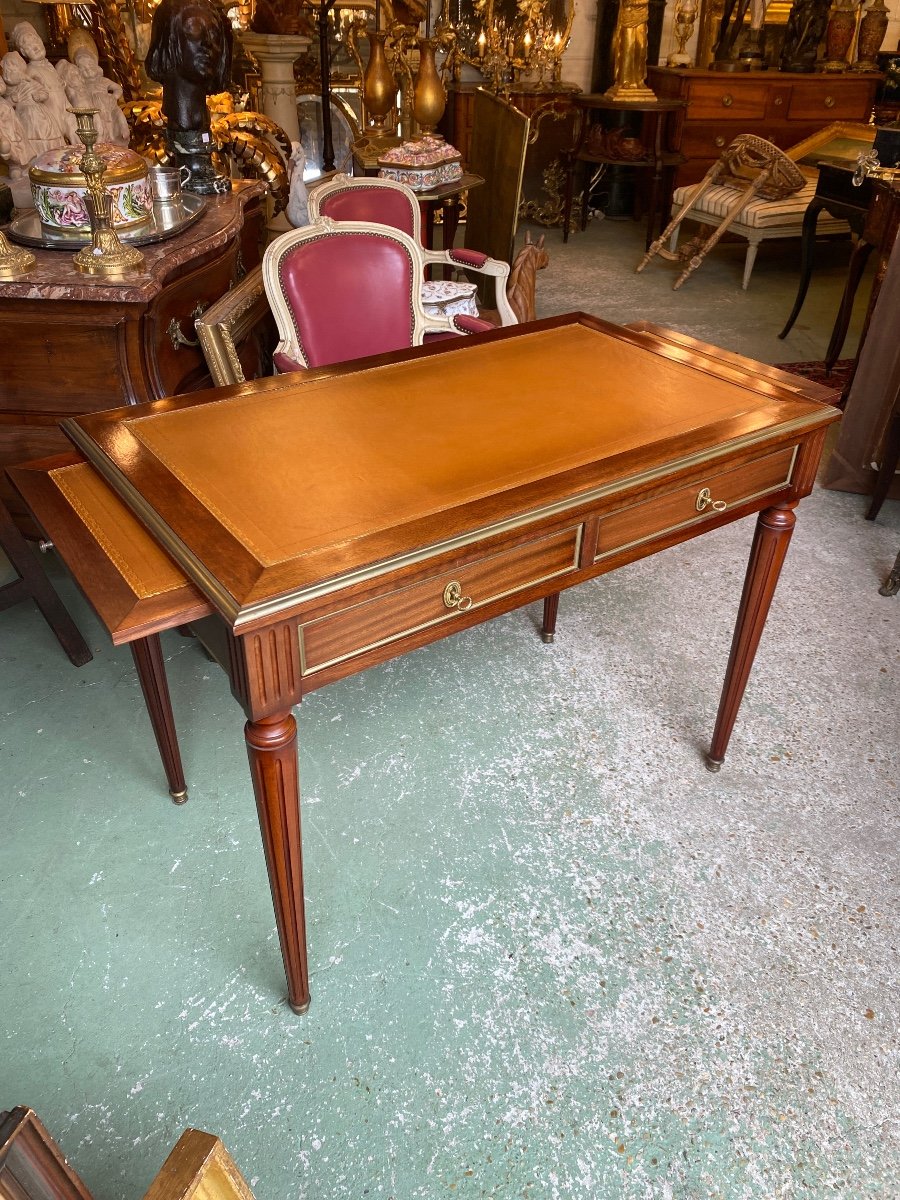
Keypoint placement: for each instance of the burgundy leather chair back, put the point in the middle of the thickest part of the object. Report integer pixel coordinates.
(380, 205)
(350, 295)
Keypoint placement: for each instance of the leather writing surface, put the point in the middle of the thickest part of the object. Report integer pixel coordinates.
(393, 444)
(265, 494)
(138, 559)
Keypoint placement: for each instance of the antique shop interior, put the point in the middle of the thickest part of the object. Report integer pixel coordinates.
(630, 269)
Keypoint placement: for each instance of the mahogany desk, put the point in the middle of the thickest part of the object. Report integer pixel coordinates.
(337, 518)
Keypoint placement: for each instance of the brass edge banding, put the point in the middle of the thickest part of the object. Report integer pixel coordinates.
(305, 671)
(238, 616)
(267, 608)
(199, 574)
(696, 520)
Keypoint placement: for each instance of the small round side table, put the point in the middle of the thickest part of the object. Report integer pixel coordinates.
(657, 157)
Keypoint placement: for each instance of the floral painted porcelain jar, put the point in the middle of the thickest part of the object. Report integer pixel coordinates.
(59, 189)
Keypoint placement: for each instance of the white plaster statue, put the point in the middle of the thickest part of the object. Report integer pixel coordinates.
(15, 148)
(87, 87)
(26, 40)
(297, 211)
(30, 100)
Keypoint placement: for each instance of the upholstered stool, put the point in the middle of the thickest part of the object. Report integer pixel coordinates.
(760, 220)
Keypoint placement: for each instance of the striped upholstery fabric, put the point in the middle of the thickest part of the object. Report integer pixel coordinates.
(759, 214)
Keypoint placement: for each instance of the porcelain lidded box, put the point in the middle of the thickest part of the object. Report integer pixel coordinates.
(424, 163)
(60, 189)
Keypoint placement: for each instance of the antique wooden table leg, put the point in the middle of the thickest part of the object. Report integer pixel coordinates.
(34, 584)
(151, 671)
(858, 260)
(770, 542)
(272, 748)
(807, 255)
(548, 625)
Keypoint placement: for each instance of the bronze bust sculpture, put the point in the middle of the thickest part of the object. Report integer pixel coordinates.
(190, 55)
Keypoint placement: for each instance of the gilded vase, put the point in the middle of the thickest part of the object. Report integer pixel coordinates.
(429, 98)
(379, 88)
(872, 29)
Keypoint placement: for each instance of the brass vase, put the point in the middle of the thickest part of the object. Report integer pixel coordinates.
(872, 29)
(429, 98)
(379, 88)
(839, 35)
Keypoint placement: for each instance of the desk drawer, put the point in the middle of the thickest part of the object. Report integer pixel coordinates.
(678, 509)
(361, 627)
(734, 102)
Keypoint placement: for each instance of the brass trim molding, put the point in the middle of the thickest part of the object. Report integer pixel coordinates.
(263, 609)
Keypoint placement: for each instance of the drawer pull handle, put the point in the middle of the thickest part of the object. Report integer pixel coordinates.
(173, 329)
(727, 100)
(453, 598)
(720, 141)
(829, 101)
(705, 501)
(779, 100)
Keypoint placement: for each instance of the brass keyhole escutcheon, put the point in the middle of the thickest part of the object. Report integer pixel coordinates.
(453, 598)
(727, 100)
(705, 501)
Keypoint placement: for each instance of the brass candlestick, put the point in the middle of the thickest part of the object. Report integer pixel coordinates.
(106, 255)
(14, 260)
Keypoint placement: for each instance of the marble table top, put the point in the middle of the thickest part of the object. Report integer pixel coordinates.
(54, 276)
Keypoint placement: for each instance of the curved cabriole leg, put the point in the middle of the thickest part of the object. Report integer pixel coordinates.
(807, 254)
(770, 543)
(858, 260)
(272, 749)
(548, 626)
(151, 672)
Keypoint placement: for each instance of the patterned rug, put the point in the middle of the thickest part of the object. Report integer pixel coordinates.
(815, 371)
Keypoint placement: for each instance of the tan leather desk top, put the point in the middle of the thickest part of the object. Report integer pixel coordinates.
(263, 493)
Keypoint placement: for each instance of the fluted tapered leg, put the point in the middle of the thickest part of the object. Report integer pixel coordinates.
(272, 748)
(548, 625)
(770, 542)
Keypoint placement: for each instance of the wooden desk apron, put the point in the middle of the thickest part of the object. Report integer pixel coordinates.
(337, 518)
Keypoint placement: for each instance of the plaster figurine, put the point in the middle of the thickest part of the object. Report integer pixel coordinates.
(26, 40)
(30, 99)
(298, 200)
(87, 87)
(15, 150)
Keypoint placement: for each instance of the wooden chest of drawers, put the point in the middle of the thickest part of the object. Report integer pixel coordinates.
(781, 107)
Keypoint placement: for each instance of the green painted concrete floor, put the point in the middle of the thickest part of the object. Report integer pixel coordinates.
(552, 956)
